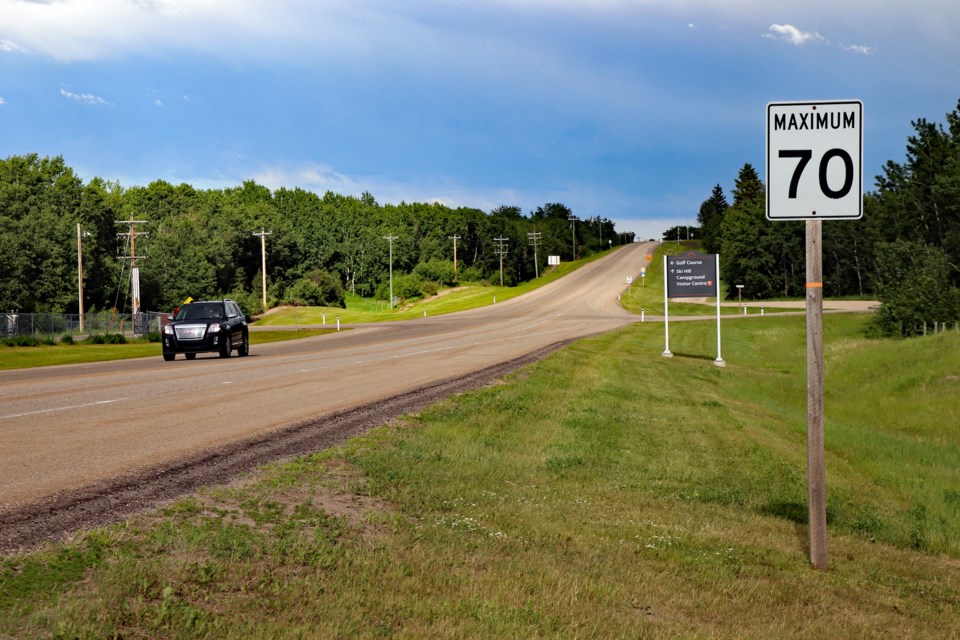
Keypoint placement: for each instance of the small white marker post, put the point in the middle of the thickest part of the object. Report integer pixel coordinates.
(338, 323)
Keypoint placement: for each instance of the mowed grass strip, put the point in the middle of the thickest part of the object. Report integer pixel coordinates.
(80, 352)
(605, 492)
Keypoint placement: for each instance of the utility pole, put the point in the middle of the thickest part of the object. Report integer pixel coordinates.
(534, 242)
(390, 239)
(263, 259)
(573, 230)
(134, 271)
(80, 236)
(454, 238)
(501, 251)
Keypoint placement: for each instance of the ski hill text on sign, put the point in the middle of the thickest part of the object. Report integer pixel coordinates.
(815, 160)
(692, 276)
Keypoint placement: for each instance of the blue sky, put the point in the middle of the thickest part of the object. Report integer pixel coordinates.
(628, 109)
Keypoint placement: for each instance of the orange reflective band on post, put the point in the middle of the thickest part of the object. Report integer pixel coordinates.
(814, 285)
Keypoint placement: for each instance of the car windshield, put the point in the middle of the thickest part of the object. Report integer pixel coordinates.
(201, 311)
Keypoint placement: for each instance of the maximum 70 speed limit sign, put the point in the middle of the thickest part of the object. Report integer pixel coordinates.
(815, 160)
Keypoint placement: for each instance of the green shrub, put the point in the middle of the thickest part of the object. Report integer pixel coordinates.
(471, 274)
(106, 338)
(66, 339)
(436, 270)
(250, 303)
(22, 341)
(317, 288)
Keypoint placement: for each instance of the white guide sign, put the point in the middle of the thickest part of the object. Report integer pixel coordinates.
(815, 160)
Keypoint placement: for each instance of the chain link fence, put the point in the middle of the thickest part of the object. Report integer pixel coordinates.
(51, 325)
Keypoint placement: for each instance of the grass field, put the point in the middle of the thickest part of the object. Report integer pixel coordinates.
(605, 492)
(47, 355)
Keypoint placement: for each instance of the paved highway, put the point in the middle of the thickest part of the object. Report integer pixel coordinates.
(70, 426)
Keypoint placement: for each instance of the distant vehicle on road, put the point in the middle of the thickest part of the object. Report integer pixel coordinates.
(206, 326)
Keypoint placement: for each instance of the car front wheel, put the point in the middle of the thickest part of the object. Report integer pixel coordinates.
(244, 349)
(225, 348)
(169, 356)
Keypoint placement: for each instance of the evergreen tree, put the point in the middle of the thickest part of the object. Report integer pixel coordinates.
(710, 218)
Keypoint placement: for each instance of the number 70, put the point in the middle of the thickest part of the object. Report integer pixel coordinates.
(805, 155)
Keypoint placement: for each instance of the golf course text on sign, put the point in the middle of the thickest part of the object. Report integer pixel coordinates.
(815, 160)
(692, 276)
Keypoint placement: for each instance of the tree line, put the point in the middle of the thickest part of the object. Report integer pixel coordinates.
(201, 243)
(905, 250)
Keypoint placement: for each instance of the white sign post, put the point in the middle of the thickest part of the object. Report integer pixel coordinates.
(815, 172)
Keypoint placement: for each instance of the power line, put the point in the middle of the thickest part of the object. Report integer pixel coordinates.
(263, 255)
(534, 237)
(454, 238)
(133, 234)
(501, 251)
(573, 230)
(390, 239)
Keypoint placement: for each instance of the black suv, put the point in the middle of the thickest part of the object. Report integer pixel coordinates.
(198, 327)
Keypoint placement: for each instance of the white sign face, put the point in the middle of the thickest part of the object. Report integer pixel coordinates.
(815, 160)
(629, 279)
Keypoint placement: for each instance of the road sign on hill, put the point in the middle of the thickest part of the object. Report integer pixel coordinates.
(692, 276)
(815, 160)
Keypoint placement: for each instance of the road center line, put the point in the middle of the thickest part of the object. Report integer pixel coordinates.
(68, 408)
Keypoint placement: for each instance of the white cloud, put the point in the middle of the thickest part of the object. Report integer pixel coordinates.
(83, 98)
(8, 46)
(857, 48)
(793, 35)
(316, 178)
(2, 101)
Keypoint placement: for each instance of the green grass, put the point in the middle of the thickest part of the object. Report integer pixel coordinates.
(637, 497)
(466, 296)
(80, 352)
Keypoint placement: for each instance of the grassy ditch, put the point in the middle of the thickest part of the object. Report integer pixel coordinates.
(45, 355)
(605, 492)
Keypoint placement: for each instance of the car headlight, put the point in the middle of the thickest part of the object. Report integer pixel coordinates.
(214, 328)
(168, 329)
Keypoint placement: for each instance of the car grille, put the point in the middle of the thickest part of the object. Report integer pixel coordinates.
(191, 331)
